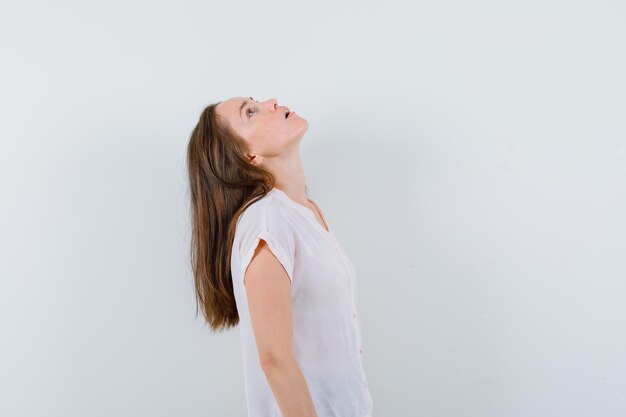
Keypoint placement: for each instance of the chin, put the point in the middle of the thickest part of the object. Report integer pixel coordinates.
(304, 128)
(298, 136)
(305, 122)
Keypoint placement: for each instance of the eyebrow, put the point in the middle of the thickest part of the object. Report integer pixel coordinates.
(243, 104)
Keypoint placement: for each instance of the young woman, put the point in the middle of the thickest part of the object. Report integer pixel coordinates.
(264, 257)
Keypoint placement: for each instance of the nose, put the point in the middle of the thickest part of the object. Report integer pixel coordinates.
(273, 103)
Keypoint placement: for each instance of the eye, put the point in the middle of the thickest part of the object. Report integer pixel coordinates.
(248, 112)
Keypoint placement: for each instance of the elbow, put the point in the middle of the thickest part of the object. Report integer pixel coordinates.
(275, 359)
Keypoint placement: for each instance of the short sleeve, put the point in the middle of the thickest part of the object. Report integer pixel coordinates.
(269, 225)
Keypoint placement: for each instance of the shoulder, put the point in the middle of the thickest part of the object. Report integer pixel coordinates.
(264, 213)
(267, 218)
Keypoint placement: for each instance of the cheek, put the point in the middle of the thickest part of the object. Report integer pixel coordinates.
(248, 142)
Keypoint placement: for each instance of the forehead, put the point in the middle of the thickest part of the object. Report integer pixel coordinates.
(230, 107)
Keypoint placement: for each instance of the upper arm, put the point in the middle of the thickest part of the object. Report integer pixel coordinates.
(268, 289)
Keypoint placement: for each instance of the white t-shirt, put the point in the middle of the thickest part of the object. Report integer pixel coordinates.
(327, 335)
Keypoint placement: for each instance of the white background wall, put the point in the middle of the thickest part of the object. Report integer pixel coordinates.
(471, 157)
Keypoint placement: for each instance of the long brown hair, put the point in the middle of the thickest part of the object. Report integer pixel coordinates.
(222, 185)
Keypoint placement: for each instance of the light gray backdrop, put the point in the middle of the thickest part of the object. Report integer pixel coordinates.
(471, 156)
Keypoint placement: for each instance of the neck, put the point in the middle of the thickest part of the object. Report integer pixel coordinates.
(290, 178)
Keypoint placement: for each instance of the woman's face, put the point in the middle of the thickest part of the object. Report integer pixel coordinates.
(262, 125)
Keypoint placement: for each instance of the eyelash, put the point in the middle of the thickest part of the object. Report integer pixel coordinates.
(247, 110)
